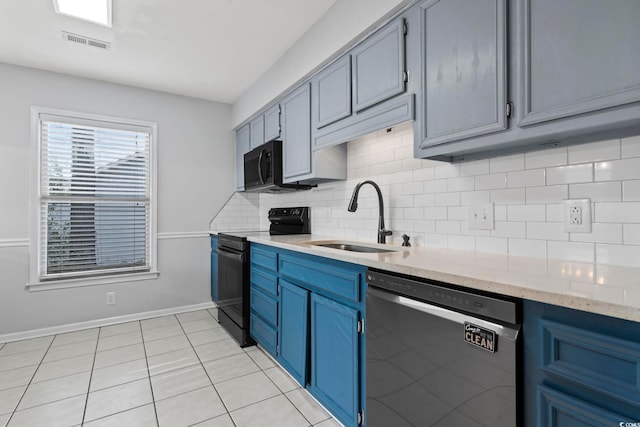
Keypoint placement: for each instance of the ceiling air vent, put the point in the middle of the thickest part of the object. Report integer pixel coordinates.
(87, 41)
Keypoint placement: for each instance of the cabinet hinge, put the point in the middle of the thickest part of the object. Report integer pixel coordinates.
(509, 110)
(405, 28)
(361, 326)
(360, 418)
(405, 76)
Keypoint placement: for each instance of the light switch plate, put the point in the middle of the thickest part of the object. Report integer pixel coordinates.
(576, 215)
(481, 217)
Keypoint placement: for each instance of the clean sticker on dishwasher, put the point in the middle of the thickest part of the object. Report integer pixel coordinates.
(486, 339)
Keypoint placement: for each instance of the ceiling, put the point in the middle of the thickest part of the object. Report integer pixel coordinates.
(210, 49)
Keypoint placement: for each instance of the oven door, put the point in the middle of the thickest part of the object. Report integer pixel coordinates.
(231, 282)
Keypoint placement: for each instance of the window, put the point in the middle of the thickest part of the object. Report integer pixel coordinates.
(95, 196)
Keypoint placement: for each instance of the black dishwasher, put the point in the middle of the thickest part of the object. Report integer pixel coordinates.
(439, 356)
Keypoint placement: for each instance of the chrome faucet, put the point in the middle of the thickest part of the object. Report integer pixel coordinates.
(353, 205)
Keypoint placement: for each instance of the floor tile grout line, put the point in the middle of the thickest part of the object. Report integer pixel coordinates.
(208, 376)
(146, 359)
(30, 381)
(93, 364)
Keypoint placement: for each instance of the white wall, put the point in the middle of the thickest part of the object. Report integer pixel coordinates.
(196, 162)
(342, 23)
(428, 200)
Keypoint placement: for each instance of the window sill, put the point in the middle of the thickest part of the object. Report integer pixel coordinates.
(90, 281)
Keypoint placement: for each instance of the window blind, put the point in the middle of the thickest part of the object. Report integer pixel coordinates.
(94, 198)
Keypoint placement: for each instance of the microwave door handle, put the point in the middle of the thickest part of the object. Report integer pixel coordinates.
(260, 167)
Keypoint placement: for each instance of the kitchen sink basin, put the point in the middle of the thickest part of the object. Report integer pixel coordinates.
(352, 247)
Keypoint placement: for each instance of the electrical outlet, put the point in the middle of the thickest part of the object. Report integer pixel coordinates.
(481, 217)
(111, 298)
(577, 215)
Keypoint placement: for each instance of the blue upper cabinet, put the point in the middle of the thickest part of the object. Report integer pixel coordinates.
(257, 132)
(272, 123)
(504, 76)
(578, 57)
(365, 90)
(243, 144)
(464, 66)
(379, 66)
(296, 133)
(332, 92)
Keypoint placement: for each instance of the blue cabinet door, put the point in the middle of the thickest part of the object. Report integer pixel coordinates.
(332, 93)
(464, 66)
(335, 368)
(294, 325)
(257, 132)
(214, 268)
(272, 123)
(296, 134)
(379, 66)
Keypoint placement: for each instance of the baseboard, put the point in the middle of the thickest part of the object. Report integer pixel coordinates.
(72, 327)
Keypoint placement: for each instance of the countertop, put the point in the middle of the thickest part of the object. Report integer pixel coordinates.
(602, 289)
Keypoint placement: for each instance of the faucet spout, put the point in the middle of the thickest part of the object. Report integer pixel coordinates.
(353, 206)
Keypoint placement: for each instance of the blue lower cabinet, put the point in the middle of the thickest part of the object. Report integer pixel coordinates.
(335, 357)
(264, 334)
(214, 268)
(580, 369)
(293, 337)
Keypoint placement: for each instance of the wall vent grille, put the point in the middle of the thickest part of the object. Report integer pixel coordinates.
(84, 40)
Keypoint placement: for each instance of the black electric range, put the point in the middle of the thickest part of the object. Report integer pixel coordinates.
(233, 269)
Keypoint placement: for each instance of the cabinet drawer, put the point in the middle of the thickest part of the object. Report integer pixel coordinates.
(264, 334)
(602, 363)
(322, 276)
(557, 409)
(264, 258)
(265, 306)
(265, 281)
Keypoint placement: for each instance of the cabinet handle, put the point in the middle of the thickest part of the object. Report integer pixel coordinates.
(509, 110)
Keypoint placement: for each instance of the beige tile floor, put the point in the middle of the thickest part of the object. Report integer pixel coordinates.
(173, 371)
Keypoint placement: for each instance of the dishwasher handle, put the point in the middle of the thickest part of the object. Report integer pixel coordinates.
(506, 331)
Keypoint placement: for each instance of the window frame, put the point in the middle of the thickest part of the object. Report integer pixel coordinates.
(106, 277)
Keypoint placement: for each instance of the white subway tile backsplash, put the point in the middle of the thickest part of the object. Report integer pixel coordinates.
(478, 167)
(465, 183)
(448, 199)
(528, 248)
(631, 146)
(429, 200)
(570, 251)
(546, 231)
(600, 233)
(618, 212)
(597, 191)
(506, 163)
(447, 170)
(448, 227)
(631, 191)
(526, 178)
(616, 170)
(526, 213)
(545, 158)
(631, 234)
(494, 245)
(570, 174)
(624, 255)
(508, 197)
(548, 194)
(491, 181)
(509, 229)
(595, 151)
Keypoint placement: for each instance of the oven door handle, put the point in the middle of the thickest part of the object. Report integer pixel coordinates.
(509, 332)
(231, 255)
(260, 166)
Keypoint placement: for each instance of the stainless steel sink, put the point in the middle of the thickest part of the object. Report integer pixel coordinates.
(352, 247)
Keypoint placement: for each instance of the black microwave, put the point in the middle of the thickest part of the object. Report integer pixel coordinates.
(263, 170)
